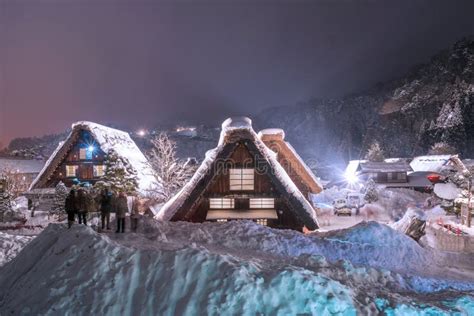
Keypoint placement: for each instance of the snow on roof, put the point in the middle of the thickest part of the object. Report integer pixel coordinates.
(272, 132)
(111, 139)
(384, 166)
(21, 165)
(433, 163)
(234, 124)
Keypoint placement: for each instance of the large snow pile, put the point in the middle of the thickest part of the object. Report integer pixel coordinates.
(11, 245)
(233, 268)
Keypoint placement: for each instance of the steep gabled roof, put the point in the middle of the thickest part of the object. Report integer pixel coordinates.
(294, 161)
(432, 163)
(233, 131)
(108, 139)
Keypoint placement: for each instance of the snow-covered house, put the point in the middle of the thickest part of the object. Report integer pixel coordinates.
(80, 158)
(24, 171)
(297, 169)
(241, 179)
(430, 163)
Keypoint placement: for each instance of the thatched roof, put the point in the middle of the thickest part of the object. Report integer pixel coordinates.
(235, 130)
(108, 139)
(274, 138)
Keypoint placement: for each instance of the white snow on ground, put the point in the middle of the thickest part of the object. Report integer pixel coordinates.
(230, 268)
(10, 246)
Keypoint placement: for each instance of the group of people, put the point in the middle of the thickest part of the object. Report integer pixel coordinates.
(80, 202)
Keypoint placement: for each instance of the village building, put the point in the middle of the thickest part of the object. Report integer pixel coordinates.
(80, 159)
(21, 171)
(241, 179)
(295, 167)
(390, 173)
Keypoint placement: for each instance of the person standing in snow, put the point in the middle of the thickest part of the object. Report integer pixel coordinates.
(70, 207)
(121, 209)
(82, 206)
(105, 208)
(135, 213)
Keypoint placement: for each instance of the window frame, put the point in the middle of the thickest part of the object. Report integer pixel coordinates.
(221, 203)
(261, 203)
(95, 169)
(241, 179)
(74, 168)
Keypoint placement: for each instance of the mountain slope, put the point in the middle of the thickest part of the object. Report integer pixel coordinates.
(433, 103)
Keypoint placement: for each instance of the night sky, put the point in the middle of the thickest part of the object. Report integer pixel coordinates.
(141, 63)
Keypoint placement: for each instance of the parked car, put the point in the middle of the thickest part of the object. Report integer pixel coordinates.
(340, 208)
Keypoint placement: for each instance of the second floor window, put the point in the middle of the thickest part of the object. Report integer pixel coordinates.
(241, 179)
(267, 203)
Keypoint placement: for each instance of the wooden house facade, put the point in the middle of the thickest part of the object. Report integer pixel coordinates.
(241, 179)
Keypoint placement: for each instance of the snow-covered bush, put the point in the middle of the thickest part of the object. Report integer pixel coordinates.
(60, 194)
(371, 194)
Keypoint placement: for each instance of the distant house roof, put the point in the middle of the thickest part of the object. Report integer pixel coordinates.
(108, 139)
(21, 165)
(432, 163)
(388, 165)
(384, 166)
(274, 138)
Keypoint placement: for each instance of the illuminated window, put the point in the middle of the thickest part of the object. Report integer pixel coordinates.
(262, 221)
(241, 179)
(99, 171)
(222, 221)
(71, 171)
(262, 203)
(86, 153)
(221, 203)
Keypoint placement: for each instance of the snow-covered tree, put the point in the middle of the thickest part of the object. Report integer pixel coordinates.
(371, 194)
(375, 153)
(442, 148)
(5, 200)
(60, 195)
(15, 182)
(120, 175)
(172, 172)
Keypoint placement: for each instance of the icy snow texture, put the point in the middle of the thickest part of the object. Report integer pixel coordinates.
(229, 125)
(447, 191)
(120, 141)
(10, 245)
(233, 268)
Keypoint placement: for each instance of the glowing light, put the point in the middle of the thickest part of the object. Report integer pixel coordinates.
(91, 148)
(141, 132)
(351, 178)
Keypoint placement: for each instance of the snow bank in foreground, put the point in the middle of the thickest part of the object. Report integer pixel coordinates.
(183, 268)
(10, 245)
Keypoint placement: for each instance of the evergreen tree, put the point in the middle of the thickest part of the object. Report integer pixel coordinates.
(371, 194)
(375, 153)
(60, 194)
(442, 148)
(5, 204)
(120, 175)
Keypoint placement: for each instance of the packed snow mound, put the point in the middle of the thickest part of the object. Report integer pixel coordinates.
(188, 269)
(11, 245)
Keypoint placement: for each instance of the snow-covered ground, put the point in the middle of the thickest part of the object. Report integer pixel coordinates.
(11, 245)
(233, 268)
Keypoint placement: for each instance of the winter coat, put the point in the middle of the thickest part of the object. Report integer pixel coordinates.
(105, 203)
(136, 208)
(85, 203)
(70, 204)
(121, 206)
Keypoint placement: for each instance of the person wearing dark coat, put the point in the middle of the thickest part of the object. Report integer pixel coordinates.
(121, 210)
(82, 206)
(105, 208)
(70, 207)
